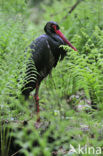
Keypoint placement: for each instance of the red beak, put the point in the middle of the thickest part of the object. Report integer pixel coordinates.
(63, 37)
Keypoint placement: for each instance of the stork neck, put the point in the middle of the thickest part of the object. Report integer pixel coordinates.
(55, 38)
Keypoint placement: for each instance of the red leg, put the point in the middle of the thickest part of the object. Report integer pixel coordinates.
(37, 102)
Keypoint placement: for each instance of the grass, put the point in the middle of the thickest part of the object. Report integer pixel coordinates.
(71, 100)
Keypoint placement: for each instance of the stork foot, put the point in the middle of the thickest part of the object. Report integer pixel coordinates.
(37, 124)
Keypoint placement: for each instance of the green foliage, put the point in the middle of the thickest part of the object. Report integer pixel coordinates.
(11, 6)
(69, 96)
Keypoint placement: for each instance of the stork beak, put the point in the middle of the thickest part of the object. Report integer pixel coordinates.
(64, 39)
(58, 32)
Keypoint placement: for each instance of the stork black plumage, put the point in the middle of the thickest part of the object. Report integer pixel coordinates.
(45, 53)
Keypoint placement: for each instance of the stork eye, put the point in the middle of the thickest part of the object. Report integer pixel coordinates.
(55, 27)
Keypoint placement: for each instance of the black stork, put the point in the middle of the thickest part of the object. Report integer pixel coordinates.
(45, 53)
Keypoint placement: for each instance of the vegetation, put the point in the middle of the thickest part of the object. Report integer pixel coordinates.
(71, 100)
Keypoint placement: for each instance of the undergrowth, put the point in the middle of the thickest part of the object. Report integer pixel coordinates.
(71, 99)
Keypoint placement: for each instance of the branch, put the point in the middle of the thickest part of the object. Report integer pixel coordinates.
(72, 8)
(16, 153)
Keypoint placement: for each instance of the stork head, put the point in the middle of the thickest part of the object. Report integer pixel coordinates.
(52, 27)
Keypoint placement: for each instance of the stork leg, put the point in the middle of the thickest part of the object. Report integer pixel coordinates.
(36, 97)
